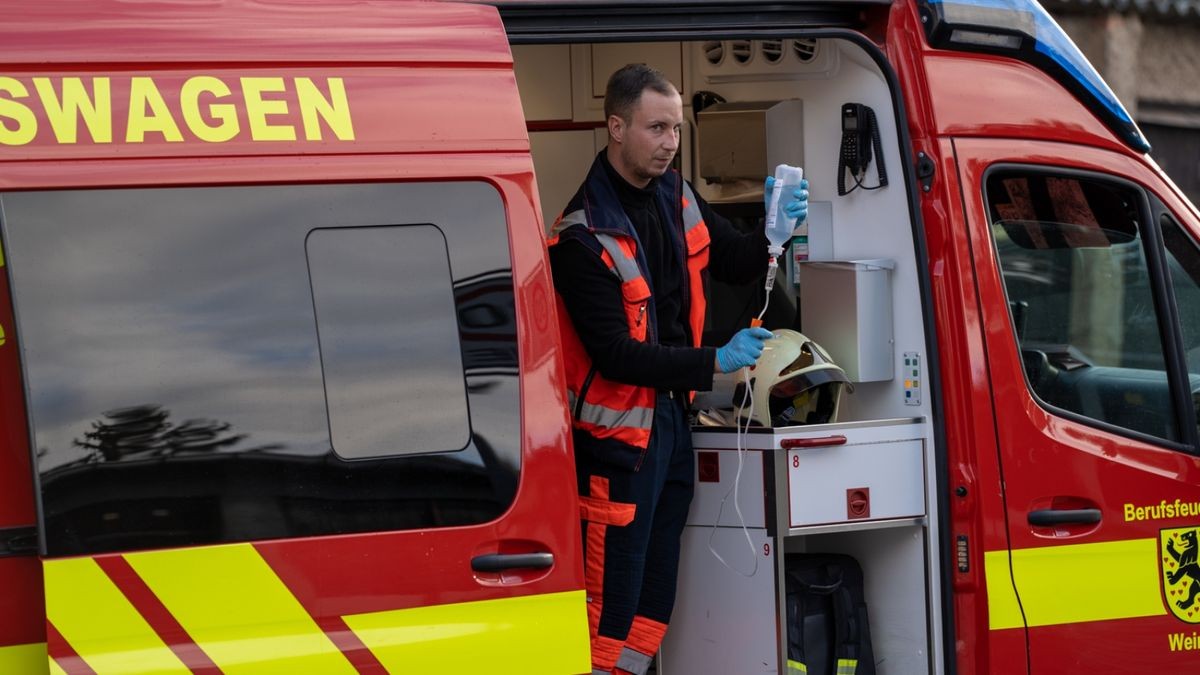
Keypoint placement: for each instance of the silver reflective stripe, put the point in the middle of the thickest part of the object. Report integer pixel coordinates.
(691, 212)
(601, 672)
(571, 401)
(568, 220)
(634, 661)
(638, 418)
(627, 268)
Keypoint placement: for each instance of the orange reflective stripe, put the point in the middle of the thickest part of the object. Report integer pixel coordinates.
(645, 635)
(605, 652)
(635, 290)
(593, 565)
(604, 511)
(638, 438)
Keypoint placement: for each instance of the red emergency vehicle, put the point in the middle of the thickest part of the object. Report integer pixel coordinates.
(281, 389)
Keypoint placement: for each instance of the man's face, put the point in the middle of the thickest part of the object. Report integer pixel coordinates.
(650, 139)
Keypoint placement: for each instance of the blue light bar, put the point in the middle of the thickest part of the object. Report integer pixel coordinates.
(1023, 29)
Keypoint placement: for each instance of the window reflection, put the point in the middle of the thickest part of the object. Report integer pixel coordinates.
(1075, 272)
(175, 384)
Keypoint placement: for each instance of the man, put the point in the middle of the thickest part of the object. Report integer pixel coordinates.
(629, 257)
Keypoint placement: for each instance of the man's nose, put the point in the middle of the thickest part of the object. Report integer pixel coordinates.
(672, 141)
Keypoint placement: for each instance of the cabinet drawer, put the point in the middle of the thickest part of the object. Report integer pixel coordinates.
(856, 482)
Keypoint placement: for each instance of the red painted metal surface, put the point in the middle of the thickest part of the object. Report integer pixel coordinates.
(16, 486)
(22, 606)
(248, 32)
(457, 116)
(977, 95)
(975, 496)
(466, 122)
(352, 574)
(1107, 470)
(386, 113)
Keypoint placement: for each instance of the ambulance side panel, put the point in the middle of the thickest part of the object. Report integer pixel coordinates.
(22, 608)
(287, 345)
(1063, 268)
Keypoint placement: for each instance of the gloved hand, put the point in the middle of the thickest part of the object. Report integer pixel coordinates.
(743, 349)
(797, 207)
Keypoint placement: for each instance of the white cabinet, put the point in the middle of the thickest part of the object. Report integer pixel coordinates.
(544, 81)
(856, 488)
(592, 65)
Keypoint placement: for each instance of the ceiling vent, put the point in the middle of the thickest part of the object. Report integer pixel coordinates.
(772, 51)
(743, 51)
(714, 51)
(805, 49)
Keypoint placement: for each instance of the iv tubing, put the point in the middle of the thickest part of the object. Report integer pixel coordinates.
(740, 433)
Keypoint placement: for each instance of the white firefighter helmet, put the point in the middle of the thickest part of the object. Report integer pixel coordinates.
(795, 381)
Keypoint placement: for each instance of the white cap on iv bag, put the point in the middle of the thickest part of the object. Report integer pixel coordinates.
(778, 226)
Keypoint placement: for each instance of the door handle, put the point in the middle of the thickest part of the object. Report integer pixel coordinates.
(821, 442)
(499, 562)
(1052, 517)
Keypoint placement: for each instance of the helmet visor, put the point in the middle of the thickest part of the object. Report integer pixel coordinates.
(809, 397)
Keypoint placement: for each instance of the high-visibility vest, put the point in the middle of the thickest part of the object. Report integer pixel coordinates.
(616, 413)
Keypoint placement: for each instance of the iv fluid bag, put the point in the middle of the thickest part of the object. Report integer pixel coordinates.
(779, 226)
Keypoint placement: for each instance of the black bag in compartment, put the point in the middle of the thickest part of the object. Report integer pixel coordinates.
(827, 628)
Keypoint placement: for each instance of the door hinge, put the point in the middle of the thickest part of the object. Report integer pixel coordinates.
(925, 171)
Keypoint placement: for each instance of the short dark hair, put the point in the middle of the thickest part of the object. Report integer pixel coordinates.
(625, 89)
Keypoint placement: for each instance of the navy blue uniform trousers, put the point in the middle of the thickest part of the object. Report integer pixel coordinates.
(638, 562)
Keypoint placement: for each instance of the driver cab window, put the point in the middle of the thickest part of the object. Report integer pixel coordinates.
(1074, 266)
(1183, 266)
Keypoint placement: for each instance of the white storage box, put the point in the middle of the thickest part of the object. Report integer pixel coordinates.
(846, 306)
(825, 476)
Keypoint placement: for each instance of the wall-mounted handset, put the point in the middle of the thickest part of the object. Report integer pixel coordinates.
(860, 135)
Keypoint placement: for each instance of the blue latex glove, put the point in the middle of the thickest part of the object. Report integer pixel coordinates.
(797, 207)
(743, 349)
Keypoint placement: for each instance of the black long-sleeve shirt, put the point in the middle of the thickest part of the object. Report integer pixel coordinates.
(592, 294)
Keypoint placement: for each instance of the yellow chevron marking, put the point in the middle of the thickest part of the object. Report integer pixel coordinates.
(1075, 583)
(100, 623)
(23, 658)
(538, 633)
(1, 255)
(56, 669)
(238, 611)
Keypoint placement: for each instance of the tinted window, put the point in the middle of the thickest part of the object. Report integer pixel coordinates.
(1074, 265)
(174, 370)
(1183, 264)
(389, 340)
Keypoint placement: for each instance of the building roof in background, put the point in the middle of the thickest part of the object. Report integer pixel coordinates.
(1166, 9)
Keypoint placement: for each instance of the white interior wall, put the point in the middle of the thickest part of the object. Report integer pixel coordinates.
(866, 225)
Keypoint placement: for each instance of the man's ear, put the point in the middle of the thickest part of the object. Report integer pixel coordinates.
(616, 128)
